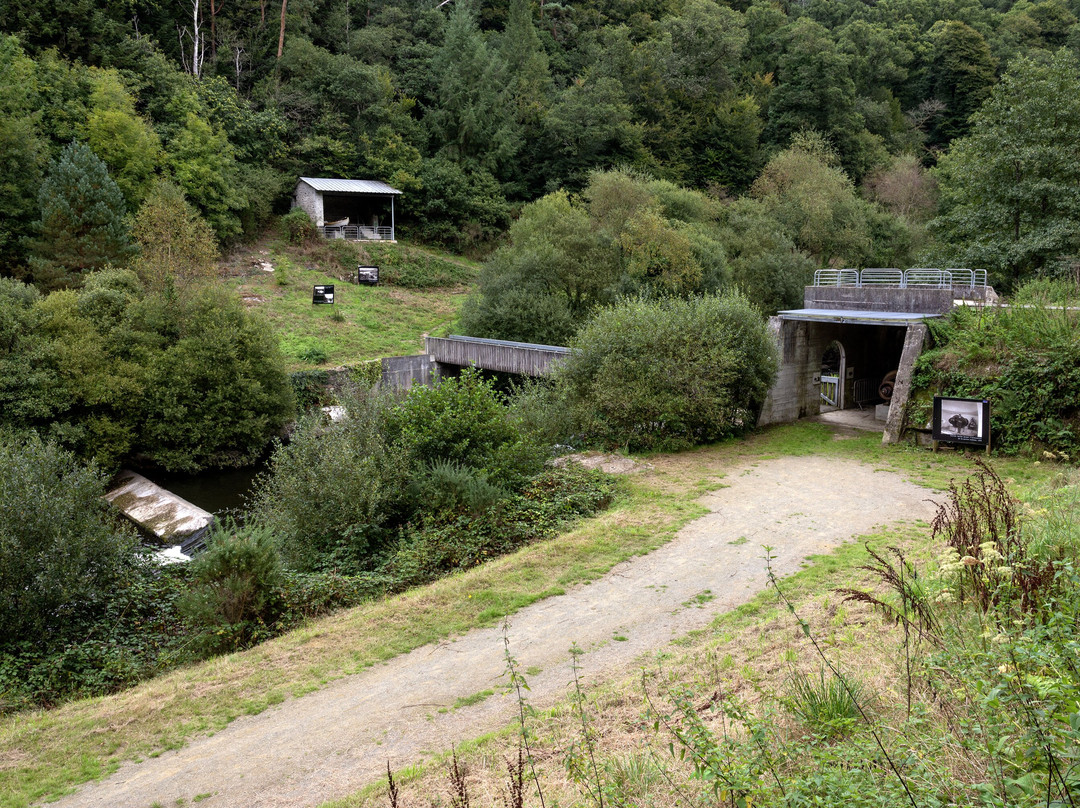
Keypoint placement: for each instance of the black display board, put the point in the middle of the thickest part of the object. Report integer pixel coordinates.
(367, 275)
(323, 294)
(961, 420)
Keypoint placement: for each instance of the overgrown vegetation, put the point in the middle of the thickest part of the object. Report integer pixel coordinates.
(1023, 358)
(397, 494)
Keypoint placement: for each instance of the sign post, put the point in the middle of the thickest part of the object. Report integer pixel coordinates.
(961, 420)
(368, 276)
(323, 294)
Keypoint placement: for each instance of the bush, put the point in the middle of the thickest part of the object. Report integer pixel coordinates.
(463, 420)
(296, 227)
(1025, 360)
(235, 595)
(334, 491)
(670, 373)
(61, 556)
(449, 541)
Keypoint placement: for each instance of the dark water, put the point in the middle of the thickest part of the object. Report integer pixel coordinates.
(217, 491)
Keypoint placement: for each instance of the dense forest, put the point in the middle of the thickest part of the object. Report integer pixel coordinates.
(918, 150)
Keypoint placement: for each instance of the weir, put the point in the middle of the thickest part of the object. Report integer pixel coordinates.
(173, 520)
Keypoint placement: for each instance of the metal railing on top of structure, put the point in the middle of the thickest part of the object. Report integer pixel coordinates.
(355, 232)
(916, 277)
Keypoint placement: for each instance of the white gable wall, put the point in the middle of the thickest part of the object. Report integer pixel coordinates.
(310, 201)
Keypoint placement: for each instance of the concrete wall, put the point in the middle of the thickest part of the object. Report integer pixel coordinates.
(875, 298)
(870, 351)
(402, 372)
(310, 201)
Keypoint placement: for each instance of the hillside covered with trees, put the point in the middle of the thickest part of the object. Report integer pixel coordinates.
(809, 127)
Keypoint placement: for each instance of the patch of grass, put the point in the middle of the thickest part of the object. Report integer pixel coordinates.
(365, 322)
(825, 704)
(475, 698)
(739, 541)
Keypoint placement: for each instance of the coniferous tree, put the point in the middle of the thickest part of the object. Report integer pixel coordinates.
(82, 225)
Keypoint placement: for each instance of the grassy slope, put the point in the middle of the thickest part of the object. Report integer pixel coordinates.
(364, 322)
(45, 753)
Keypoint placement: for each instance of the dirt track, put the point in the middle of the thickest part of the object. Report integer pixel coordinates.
(334, 741)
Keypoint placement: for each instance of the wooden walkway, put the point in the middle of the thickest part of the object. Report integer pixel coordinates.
(522, 358)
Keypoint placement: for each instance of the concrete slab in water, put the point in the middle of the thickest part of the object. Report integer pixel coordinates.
(150, 506)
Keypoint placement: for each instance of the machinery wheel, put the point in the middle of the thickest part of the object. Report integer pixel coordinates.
(885, 389)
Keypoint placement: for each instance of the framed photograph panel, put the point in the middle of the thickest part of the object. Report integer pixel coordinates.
(961, 420)
(322, 295)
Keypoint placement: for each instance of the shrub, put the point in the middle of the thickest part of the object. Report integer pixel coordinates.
(310, 388)
(61, 557)
(235, 597)
(670, 373)
(296, 227)
(449, 541)
(334, 491)
(1025, 360)
(463, 420)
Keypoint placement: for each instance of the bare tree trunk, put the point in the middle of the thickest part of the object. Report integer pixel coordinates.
(281, 36)
(214, 9)
(198, 46)
(238, 50)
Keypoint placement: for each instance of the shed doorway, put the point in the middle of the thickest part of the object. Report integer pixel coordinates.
(833, 369)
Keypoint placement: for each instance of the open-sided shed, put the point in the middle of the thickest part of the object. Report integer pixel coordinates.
(361, 210)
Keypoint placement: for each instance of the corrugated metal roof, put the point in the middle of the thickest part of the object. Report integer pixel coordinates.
(856, 317)
(349, 186)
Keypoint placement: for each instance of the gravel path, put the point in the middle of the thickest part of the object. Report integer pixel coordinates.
(334, 741)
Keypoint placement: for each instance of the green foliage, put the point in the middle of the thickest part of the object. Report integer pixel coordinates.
(217, 393)
(766, 266)
(296, 227)
(474, 122)
(565, 259)
(458, 539)
(815, 202)
(126, 143)
(61, 557)
(1024, 360)
(455, 206)
(462, 420)
(23, 148)
(176, 247)
(234, 597)
(334, 491)
(136, 634)
(186, 381)
(414, 269)
(669, 373)
(825, 704)
(82, 223)
(309, 388)
(203, 164)
(1009, 190)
